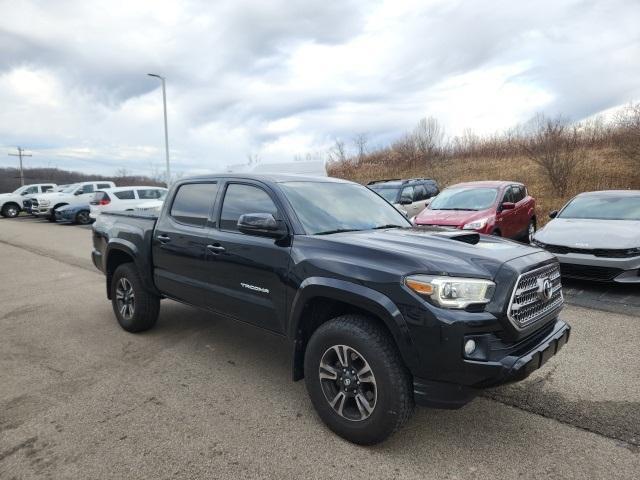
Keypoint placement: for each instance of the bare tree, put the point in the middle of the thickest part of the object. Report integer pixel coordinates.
(555, 147)
(122, 173)
(360, 141)
(253, 159)
(338, 152)
(428, 137)
(628, 142)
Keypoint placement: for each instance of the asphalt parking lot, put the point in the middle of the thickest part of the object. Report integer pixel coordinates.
(204, 397)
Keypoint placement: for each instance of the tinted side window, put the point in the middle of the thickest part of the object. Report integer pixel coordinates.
(432, 189)
(193, 202)
(518, 193)
(241, 199)
(32, 190)
(46, 188)
(125, 195)
(87, 188)
(104, 185)
(407, 192)
(508, 195)
(420, 193)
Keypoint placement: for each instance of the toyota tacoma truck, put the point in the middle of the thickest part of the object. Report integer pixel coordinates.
(380, 315)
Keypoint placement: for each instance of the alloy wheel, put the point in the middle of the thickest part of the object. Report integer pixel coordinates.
(83, 217)
(125, 298)
(348, 382)
(11, 211)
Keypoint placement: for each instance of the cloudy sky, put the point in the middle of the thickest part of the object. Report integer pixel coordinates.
(280, 78)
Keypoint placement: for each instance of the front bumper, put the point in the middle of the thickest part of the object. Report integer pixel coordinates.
(41, 211)
(600, 269)
(507, 364)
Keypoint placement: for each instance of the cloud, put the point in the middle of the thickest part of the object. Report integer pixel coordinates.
(285, 78)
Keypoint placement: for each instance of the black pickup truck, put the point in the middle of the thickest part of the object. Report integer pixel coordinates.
(380, 315)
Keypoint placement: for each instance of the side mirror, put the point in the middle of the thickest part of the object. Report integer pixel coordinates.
(508, 205)
(405, 201)
(23, 193)
(553, 214)
(78, 192)
(262, 225)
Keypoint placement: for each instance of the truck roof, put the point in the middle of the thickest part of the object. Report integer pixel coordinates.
(268, 177)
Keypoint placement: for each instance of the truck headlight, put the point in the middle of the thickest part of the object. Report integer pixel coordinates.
(452, 292)
(476, 224)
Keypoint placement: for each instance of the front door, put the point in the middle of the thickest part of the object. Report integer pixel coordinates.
(249, 271)
(179, 245)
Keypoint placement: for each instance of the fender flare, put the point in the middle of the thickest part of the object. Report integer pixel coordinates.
(367, 299)
(129, 248)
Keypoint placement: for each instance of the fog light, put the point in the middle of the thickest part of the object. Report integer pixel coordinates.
(469, 347)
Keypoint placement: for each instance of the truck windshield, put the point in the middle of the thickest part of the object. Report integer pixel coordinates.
(464, 199)
(390, 194)
(625, 207)
(327, 207)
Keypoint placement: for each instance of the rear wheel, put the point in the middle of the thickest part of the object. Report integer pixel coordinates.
(10, 210)
(82, 217)
(136, 308)
(356, 379)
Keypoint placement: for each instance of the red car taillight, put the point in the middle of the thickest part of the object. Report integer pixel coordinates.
(105, 201)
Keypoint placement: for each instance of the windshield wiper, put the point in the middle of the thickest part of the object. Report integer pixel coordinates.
(391, 225)
(338, 230)
(459, 209)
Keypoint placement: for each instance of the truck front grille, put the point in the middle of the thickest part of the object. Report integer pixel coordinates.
(536, 294)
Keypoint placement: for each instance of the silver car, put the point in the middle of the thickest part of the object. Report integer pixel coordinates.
(596, 236)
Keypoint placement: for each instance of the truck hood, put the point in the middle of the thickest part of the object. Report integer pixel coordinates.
(423, 250)
(454, 218)
(591, 234)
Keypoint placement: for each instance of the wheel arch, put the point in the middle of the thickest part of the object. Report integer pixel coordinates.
(11, 202)
(320, 299)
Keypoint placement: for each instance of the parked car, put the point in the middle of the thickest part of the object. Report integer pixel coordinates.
(45, 205)
(27, 203)
(410, 195)
(504, 209)
(596, 236)
(123, 198)
(378, 314)
(78, 213)
(11, 204)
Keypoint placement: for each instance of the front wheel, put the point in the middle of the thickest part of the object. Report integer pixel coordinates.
(136, 308)
(10, 211)
(356, 379)
(83, 218)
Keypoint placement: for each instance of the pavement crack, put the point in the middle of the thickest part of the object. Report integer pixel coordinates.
(28, 443)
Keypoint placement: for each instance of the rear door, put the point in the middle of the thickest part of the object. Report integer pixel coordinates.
(249, 271)
(409, 193)
(420, 197)
(179, 245)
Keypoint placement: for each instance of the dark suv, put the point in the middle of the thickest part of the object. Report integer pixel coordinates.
(411, 195)
(378, 314)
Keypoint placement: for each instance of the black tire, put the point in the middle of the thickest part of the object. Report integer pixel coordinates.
(496, 233)
(393, 402)
(52, 217)
(145, 307)
(10, 210)
(82, 217)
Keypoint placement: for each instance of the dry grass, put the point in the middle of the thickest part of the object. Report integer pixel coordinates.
(600, 169)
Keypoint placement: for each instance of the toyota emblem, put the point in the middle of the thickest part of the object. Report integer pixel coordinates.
(545, 288)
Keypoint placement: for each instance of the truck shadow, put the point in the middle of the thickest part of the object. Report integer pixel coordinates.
(238, 354)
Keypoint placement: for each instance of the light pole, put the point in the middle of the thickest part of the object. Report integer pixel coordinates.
(21, 154)
(166, 128)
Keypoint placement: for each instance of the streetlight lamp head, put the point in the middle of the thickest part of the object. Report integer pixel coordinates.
(154, 75)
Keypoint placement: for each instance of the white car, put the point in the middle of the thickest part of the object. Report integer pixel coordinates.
(124, 198)
(44, 205)
(11, 204)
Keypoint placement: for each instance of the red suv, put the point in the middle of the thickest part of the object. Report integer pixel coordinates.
(494, 208)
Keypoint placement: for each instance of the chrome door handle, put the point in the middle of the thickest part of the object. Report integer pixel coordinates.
(163, 238)
(215, 249)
